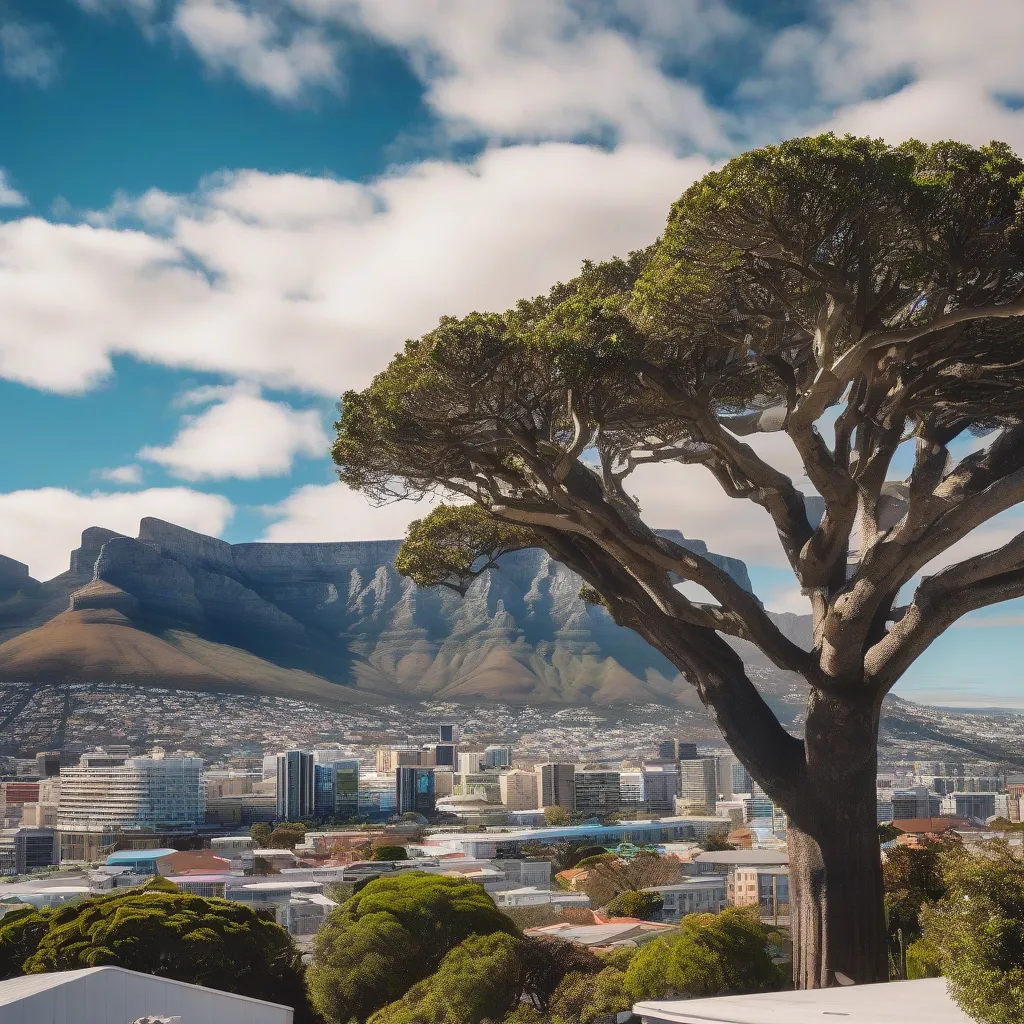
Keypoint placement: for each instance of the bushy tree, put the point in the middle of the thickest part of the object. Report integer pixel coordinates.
(388, 852)
(391, 934)
(287, 836)
(583, 997)
(21, 931)
(712, 954)
(158, 930)
(547, 962)
(607, 879)
(643, 905)
(978, 930)
(260, 832)
(858, 297)
(479, 980)
(913, 878)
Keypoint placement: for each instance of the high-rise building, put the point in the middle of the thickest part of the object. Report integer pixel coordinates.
(145, 792)
(598, 792)
(295, 787)
(556, 785)
(916, 802)
(518, 790)
(741, 780)
(660, 785)
(486, 785)
(1015, 802)
(676, 750)
(631, 789)
(48, 764)
(973, 806)
(13, 797)
(448, 733)
(497, 756)
(698, 785)
(414, 790)
(470, 760)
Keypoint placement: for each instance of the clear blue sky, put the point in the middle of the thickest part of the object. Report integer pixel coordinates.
(218, 215)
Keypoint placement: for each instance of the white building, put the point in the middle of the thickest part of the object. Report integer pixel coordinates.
(706, 894)
(112, 995)
(145, 792)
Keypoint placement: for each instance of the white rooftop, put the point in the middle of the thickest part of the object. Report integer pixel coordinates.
(103, 995)
(897, 1002)
(743, 857)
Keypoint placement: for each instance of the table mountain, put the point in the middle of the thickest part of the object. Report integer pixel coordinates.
(333, 621)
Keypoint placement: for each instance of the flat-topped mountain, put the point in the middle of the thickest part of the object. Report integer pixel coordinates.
(333, 620)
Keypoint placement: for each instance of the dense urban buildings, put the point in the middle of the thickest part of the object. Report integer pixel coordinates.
(295, 785)
(556, 785)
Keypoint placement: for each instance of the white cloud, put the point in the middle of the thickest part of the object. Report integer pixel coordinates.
(335, 512)
(241, 435)
(263, 52)
(129, 476)
(27, 54)
(41, 527)
(9, 195)
(244, 278)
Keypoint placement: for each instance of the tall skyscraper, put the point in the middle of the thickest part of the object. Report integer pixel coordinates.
(556, 785)
(48, 764)
(414, 790)
(676, 750)
(518, 790)
(443, 754)
(470, 761)
(447, 733)
(741, 780)
(336, 789)
(295, 788)
(598, 792)
(698, 785)
(660, 785)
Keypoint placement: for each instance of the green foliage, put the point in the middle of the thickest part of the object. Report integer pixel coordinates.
(390, 853)
(547, 962)
(21, 931)
(260, 833)
(287, 835)
(608, 878)
(480, 979)
(391, 934)
(713, 954)
(643, 905)
(913, 879)
(456, 543)
(212, 942)
(556, 815)
(582, 998)
(978, 929)
(716, 842)
(924, 956)
(887, 832)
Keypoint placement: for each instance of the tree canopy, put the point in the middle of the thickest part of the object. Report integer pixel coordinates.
(391, 934)
(158, 930)
(862, 299)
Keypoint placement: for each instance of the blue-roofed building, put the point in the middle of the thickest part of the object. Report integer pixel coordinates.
(141, 862)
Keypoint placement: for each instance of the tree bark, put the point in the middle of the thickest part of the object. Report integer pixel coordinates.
(837, 913)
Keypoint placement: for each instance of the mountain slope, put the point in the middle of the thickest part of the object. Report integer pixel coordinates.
(177, 608)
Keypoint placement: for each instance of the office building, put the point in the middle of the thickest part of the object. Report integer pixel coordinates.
(556, 785)
(661, 782)
(518, 790)
(336, 789)
(414, 790)
(1015, 802)
(470, 761)
(29, 849)
(376, 795)
(441, 754)
(741, 780)
(598, 792)
(13, 797)
(916, 802)
(497, 756)
(698, 786)
(144, 794)
(48, 764)
(448, 733)
(676, 750)
(111, 757)
(631, 789)
(977, 807)
(486, 785)
(295, 785)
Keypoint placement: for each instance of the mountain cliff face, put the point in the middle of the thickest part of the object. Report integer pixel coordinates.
(334, 620)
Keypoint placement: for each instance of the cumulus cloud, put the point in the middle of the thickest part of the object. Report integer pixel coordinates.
(326, 512)
(262, 51)
(128, 476)
(9, 195)
(27, 53)
(311, 283)
(240, 434)
(40, 527)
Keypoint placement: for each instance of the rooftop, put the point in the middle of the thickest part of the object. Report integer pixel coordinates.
(743, 858)
(132, 856)
(894, 1003)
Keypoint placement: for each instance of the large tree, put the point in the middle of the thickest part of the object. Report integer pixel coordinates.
(860, 298)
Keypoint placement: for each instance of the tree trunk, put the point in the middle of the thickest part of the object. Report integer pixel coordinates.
(835, 874)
